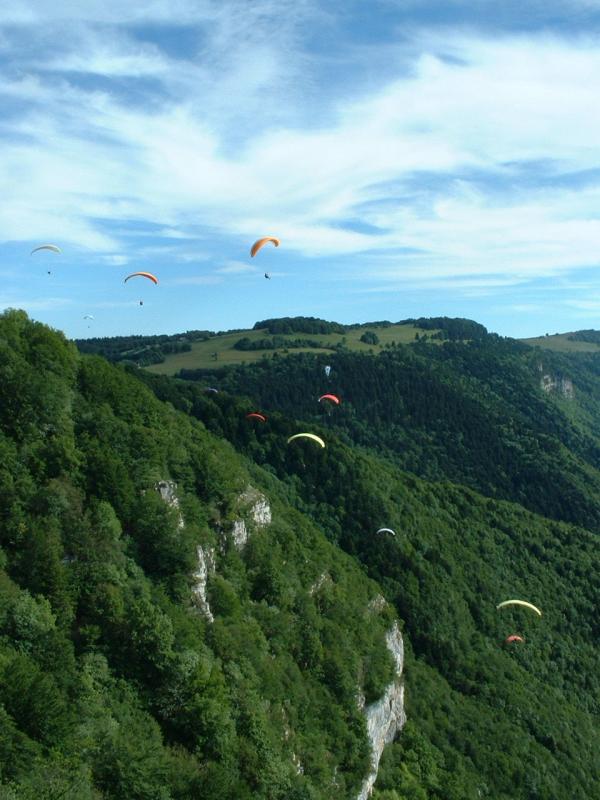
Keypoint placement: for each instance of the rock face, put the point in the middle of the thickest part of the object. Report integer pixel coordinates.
(257, 513)
(386, 716)
(556, 383)
(257, 510)
(323, 579)
(206, 565)
(168, 492)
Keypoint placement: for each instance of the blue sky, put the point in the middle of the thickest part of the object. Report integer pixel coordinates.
(415, 158)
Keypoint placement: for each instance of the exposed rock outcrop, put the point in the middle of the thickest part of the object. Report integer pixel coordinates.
(257, 512)
(556, 383)
(323, 579)
(206, 565)
(377, 604)
(386, 716)
(168, 492)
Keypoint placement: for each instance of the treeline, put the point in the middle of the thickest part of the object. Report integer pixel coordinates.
(585, 336)
(147, 350)
(452, 329)
(299, 325)
(141, 350)
(275, 343)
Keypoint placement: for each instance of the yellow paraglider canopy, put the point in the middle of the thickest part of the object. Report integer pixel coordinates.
(520, 603)
(307, 436)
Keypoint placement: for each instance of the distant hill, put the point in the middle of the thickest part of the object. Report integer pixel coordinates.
(198, 349)
(587, 341)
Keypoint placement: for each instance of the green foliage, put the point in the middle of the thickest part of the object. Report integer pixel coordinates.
(589, 335)
(369, 337)
(113, 683)
(141, 350)
(454, 329)
(299, 325)
(486, 720)
(274, 343)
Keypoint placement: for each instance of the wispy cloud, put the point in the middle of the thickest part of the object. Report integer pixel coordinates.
(237, 267)
(33, 304)
(115, 259)
(195, 280)
(460, 163)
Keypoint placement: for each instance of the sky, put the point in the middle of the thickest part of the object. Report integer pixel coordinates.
(415, 158)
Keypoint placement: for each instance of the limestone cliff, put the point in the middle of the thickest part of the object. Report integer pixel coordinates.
(558, 384)
(386, 716)
(205, 565)
(168, 492)
(257, 514)
(256, 511)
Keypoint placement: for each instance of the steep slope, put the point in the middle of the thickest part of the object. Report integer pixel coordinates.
(126, 526)
(485, 720)
(125, 529)
(474, 413)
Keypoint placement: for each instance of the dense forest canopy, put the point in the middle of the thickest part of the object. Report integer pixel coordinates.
(114, 680)
(112, 684)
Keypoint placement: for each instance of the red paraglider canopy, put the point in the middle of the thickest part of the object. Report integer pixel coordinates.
(513, 638)
(331, 397)
(256, 415)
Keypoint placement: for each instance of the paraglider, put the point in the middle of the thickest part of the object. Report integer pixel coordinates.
(267, 276)
(148, 275)
(331, 397)
(260, 243)
(88, 316)
(513, 638)
(386, 530)
(52, 247)
(519, 603)
(256, 415)
(327, 370)
(307, 436)
(211, 389)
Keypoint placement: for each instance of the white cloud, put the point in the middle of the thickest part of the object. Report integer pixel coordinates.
(81, 163)
(237, 267)
(39, 304)
(115, 260)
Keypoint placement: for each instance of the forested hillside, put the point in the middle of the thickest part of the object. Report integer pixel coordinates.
(113, 684)
(483, 719)
(473, 413)
(120, 678)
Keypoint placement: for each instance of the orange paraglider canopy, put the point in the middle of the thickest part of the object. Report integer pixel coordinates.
(513, 638)
(262, 242)
(148, 275)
